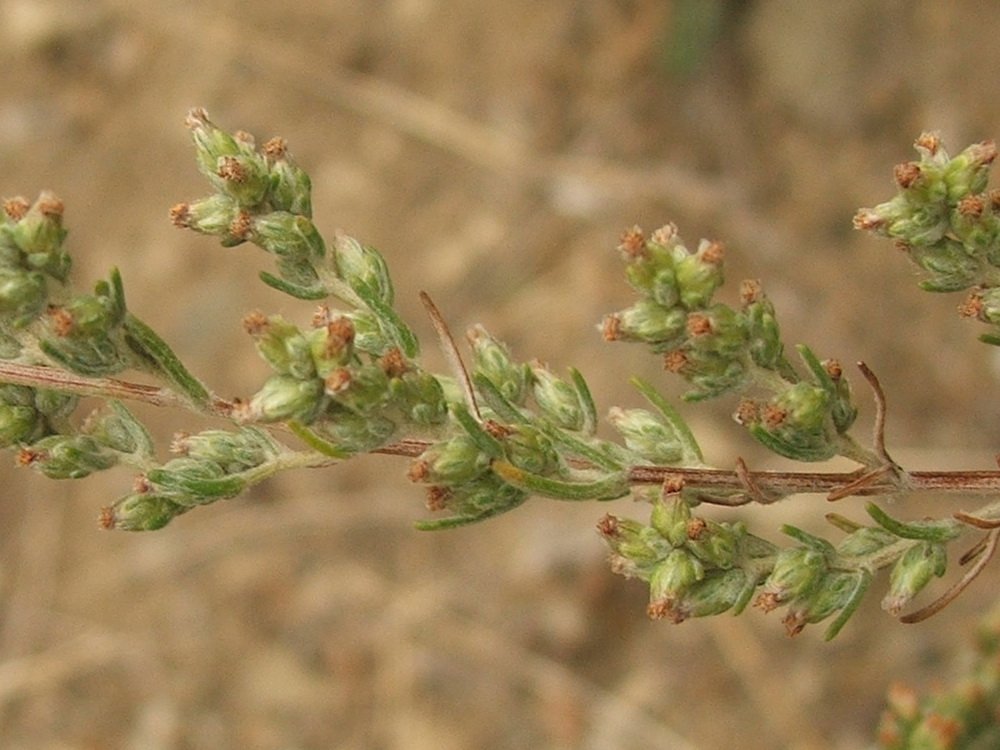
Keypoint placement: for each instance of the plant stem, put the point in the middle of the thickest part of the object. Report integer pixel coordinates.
(38, 376)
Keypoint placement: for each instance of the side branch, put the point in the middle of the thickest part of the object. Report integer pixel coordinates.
(39, 376)
(783, 483)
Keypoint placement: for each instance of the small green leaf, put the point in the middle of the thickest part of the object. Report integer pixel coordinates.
(607, 487)
(161, 360)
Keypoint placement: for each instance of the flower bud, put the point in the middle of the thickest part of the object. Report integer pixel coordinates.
(86, 315)
(39, 235)
(672, 578)
(717, 592)
(969, 172)
(557, 400)
(527, 448)
(284, 397)
(766, 347)
(833, 593)
(647, 321)
(23, 294)
(147, 511)
(213, 215)
(19, 424)
(290, 186)
(493, 359)
(912, 572)
(282, 345)
(233, 452)
(196, 481)
(291, 237)
(717, 330)
(716, 544)
(794, 424)
(362, 268)
(636, 547)
(457, 460)
(212, 144)
(243, 177)
(797, 572)
(332, 345)
(647, 435)
(68, 456)
(352, 432)
(120, 431)
(360, 388)
(670, 518)
(420, 396)
(650, 268)
(699, 275)
(484, 498)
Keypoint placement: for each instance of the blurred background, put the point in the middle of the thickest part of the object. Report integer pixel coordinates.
(494, 152)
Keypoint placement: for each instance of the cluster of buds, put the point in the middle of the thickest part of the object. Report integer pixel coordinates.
(534, 433)
(31, 256)
(948, 223)
(719, 349)
(29, 414)
(262, 197)
(211, 465)
(329, 378)
(695, 567)
(107, 438)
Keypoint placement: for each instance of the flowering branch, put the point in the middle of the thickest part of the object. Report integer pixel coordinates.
(495, 431)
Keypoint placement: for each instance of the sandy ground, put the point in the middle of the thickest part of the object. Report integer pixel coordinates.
(494, 152)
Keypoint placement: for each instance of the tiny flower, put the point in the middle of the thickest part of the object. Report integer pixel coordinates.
(212, 144)
(282, 345)
(68, 456)
(284, 397)
(23, 294)
(647, 435)
(557, 400)
(457, 460)
(362, 267)
(530, 450)
(39, 235)
(140, 511)
(635, 547)
(797, 572)
(670, 518)
(332, 345)
(912, 572)
(647, 321)
(290, 186)
(493, 359)
(213, 215)
(243, 177)
(671, 578)
(291, 237)
(19, 424)
(232, 451)
(717, 592)
(699, 275)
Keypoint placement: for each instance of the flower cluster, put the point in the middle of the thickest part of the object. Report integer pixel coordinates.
(697, 567)
(212, 465)
(720, 349)
(694, 566)
(948, 223)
